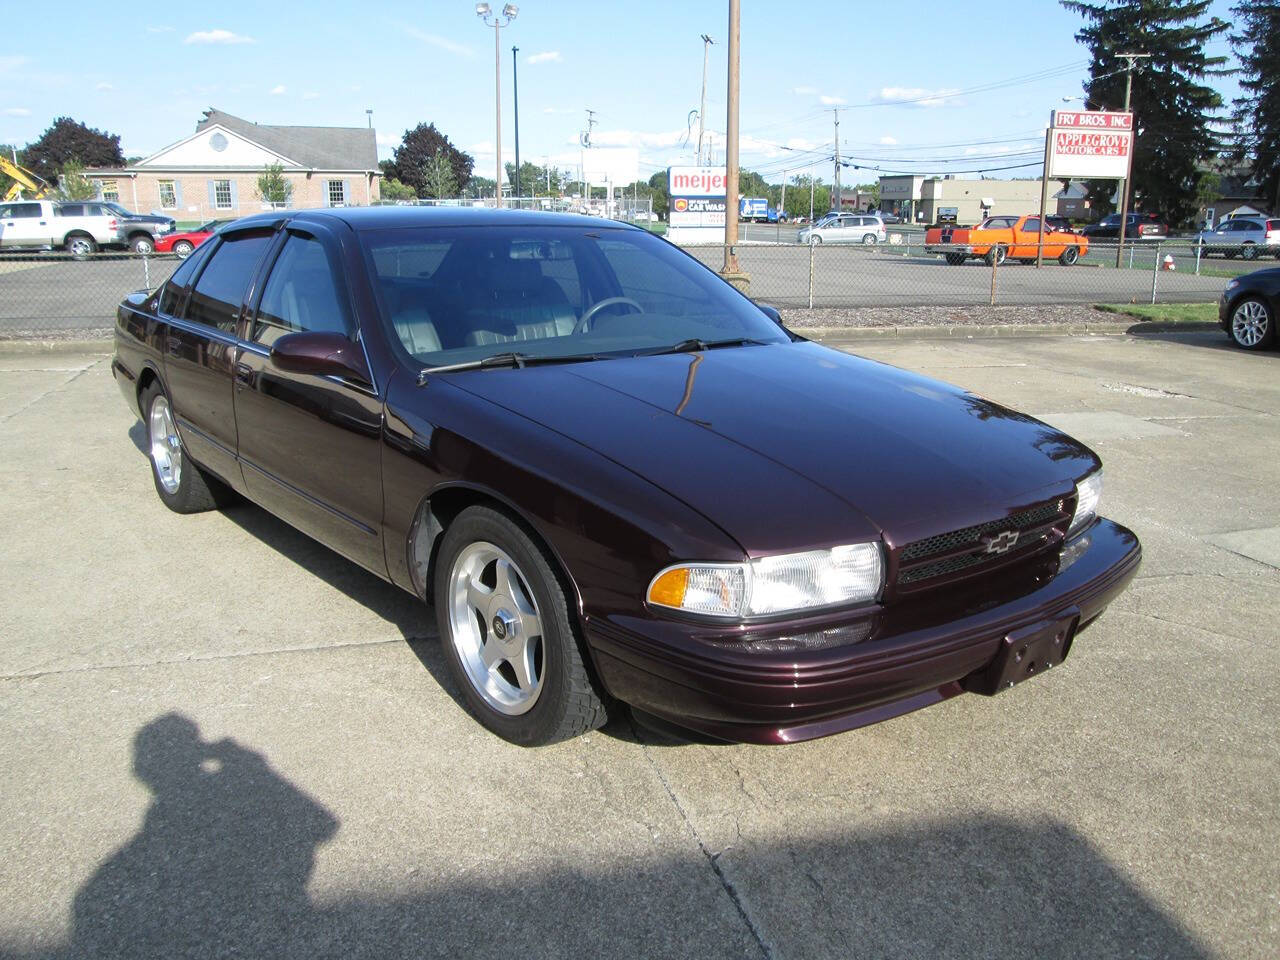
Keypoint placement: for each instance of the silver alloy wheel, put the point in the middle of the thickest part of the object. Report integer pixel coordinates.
(182, 249)
(143, 245)
(166, 448)
(80, 246)
(869, 238)
(1249, 323)
(496, 629)
(1249, 251)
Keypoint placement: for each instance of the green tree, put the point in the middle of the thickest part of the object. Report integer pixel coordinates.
(74, 185)
(1256, 113)
(659, 184)
(69, 141)
(419, 146)
(438, 177)
(273, 186)
(1173, 108)
(478, 187)
(798, 196)
(393, 189)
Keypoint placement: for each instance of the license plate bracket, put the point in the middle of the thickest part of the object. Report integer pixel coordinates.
(1025, 653)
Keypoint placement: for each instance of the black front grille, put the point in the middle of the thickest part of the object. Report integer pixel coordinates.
(966, 549)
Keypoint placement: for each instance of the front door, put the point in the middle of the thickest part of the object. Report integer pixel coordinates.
(200, 351)
(309, 445)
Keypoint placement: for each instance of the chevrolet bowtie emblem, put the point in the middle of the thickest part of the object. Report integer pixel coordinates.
(1001, 542)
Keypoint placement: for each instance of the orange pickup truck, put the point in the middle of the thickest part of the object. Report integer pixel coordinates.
(998, 238)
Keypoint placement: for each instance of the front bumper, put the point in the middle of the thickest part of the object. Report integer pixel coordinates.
(892, 660)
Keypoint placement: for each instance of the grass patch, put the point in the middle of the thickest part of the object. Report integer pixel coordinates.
(1165, 312)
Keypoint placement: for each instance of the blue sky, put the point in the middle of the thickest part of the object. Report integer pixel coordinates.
(148, 74)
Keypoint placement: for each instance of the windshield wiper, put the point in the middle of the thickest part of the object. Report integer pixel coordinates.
(517, 360)
(693, 345)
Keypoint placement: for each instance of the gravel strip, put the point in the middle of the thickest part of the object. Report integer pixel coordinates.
(934, 316)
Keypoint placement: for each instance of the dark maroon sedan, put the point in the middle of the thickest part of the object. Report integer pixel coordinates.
(616, 478)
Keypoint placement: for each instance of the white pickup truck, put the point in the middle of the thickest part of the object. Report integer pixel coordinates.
(42, 225)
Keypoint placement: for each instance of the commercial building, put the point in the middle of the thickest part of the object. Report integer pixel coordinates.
(214, 172)
(919, 199)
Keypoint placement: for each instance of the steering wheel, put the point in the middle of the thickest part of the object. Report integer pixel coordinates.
(585, 319)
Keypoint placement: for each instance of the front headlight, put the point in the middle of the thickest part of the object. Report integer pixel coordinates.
(770, 585)
(1088, 492)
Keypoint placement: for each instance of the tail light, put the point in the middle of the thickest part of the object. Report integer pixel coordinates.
(111, 224)
(1273, 231)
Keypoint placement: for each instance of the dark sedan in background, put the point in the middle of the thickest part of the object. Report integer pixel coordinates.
(1249, 307)
(1138, 226)
(618, 480)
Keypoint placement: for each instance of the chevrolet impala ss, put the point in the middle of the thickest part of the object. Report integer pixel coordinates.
(619, 482)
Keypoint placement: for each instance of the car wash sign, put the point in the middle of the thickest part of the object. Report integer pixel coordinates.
(697, 196)
(1090, 143)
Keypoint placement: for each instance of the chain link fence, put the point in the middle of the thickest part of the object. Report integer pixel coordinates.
(55, 295)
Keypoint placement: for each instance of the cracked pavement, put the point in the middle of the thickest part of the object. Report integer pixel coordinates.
(222, 739)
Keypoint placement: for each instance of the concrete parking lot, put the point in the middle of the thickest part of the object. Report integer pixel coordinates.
(221, 739)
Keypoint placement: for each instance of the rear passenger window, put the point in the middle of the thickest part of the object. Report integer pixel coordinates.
(301, 294)
(175, 290)
(218, 293)
(71, 210)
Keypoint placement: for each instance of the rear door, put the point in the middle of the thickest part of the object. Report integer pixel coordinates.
(200, 349)
(24, 223)
(309, 444)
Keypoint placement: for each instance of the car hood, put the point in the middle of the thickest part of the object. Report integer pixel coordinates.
(792, 445)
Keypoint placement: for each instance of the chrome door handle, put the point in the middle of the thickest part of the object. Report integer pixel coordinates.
(244, 375)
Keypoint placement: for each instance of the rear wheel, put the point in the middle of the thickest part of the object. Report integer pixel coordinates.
(814, 238)
(996, 255)
(143, 243)
(183, 249)
(1253, 324)
(507, 634)
(182, 486)
(1069, 256)
(81, 245)
(869, 239)
(1249, 251)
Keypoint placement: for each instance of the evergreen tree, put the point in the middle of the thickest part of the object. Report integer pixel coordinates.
(1256, 114)
(1173, 108)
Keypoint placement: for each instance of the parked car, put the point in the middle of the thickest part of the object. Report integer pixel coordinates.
(865, 228)
(140, 231)
(1140, 226)
(999, 238)
(183, 242)
(617, 478)
(890, 218)
(47, 225)
(1242, 237)
(1249, 307)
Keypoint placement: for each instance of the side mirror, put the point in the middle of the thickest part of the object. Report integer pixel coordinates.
(321, 354)
(770, 312)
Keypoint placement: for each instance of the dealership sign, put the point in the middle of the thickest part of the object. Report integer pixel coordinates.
(697, 196)
(1090, 143)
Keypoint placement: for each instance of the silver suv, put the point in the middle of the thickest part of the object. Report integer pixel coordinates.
(1244, 237)
(865, 228)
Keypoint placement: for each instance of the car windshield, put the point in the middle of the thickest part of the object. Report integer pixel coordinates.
(457, 294)
(119, 210)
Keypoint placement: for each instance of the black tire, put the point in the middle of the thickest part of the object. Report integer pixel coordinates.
(80, 245)
(814, 238)
(1069, 256)
(1249, 251)
(142, 243)
(196, 491)
(955, 259)
(869, 239)
(568, 703)
(997, 254)
(183, 249)
(1026, 261)
(1263, 317)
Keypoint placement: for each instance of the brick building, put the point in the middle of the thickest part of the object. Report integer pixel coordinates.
(214, 172)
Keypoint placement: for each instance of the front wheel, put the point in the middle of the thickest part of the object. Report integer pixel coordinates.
(1069, 256)
(143, 244)
(1253, 324)
(1249, 251)
(996, 255)
(507, 633)
(183, 249)
(182, 486)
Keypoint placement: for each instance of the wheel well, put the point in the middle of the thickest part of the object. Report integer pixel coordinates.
(77, 233)
(145, 379)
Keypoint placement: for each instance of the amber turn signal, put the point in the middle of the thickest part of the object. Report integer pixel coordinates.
(669, 589)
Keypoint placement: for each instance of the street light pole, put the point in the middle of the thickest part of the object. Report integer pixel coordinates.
(497, 21)
(515, 98)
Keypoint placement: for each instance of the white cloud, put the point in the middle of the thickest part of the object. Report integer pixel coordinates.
(800, 143)
(804, 91)
(17, 112)
(217, 36)
(888, 141)
(311, 95)
(104, 86)
(12, 63)
(830, 101)
(435, 40)
(278, 89)
(549, 56)
(917, 96)
(631, 138)
(159, 29)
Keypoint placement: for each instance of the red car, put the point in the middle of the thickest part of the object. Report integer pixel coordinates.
(183, 242)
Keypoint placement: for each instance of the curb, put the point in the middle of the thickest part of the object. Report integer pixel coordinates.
(986, 331)
(33, 347)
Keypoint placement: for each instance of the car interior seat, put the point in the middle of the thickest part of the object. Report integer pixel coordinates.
(517, 302)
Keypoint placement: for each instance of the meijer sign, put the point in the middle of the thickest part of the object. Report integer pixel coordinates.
(697, 181)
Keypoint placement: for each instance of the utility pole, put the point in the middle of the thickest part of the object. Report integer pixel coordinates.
(585, 140)
(702, 109)
(1130, 62)
(732, 272)
(835, 111)
(515, 98)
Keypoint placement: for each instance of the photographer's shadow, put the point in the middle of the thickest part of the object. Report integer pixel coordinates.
(220, 865)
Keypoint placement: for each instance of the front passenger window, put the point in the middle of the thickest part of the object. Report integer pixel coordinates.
(301, 294)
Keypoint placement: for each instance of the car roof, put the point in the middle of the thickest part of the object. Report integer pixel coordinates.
(378, 218)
